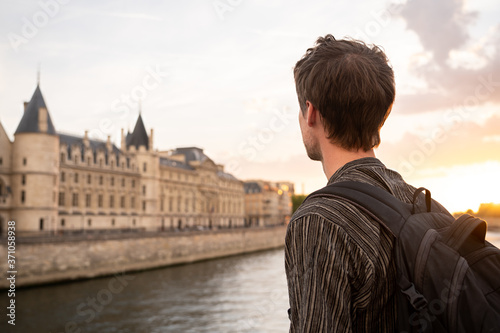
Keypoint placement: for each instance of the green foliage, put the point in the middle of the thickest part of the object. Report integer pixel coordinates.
(297, 200)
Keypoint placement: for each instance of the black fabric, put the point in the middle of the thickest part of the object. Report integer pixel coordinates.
(444, 265)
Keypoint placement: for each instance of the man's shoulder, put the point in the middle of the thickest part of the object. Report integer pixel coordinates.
(323, 209)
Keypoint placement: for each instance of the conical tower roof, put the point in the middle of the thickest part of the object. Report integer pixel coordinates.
(139, 137)
(29, 122)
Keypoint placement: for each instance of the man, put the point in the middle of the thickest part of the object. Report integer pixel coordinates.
(340, 270)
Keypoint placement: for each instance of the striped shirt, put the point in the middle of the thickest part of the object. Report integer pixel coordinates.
(340, 270)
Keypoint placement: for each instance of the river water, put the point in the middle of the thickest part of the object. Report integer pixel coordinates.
(245, 293)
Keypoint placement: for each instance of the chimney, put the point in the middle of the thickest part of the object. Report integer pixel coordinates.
(86, 141)
(26, 106)
(108, 143)
(123, 143)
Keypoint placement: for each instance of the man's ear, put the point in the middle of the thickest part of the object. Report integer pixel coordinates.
(312, 114)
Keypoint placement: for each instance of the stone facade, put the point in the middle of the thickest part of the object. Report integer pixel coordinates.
(79, 259)
(54, 183)
(268, 203)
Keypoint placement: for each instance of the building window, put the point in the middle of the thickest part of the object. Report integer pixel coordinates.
(63, 177)
(99, 200)
(144, 167)
(112, 181)
(132, 202)
(76, 178)
(41, 224)
(88, 161)
(133, 222)
(61, 199)
(1, 160)
(74, 200)
(122, 201)
(89, 222)
(23, 196)
(162, 204)
(63, 157)
(144, 205)
(111, 201)
(186, 206)
(133, 182)
(123, 182)
(144, 189)
(100, 180)
(25, 161)
(112, 164)
(62, 222)
(23, 179)
(113, 222)
(89, 179)
(88, 199)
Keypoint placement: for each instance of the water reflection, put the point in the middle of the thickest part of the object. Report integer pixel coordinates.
(236, 294)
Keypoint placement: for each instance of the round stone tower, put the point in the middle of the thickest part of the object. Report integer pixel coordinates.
(35, 170)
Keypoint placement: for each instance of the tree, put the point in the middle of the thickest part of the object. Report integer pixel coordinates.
(297, 200)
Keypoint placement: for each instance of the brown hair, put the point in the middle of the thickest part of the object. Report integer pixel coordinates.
(352, 86)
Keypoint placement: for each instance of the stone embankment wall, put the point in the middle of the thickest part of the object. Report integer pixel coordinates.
(48, 262)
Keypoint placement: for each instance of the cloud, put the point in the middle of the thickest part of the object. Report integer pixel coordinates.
(440, 25)
(460, 67)
(141, 16)
(464, 143)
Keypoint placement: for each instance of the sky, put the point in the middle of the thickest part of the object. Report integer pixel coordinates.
(217, 74)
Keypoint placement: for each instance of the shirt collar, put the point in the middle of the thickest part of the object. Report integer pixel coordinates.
(356, 164)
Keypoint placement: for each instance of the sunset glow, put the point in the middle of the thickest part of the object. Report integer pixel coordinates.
(220, 78)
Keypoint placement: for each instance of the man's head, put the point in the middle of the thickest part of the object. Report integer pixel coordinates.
(352, 87)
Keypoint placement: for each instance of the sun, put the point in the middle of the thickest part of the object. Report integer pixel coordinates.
(463, 187)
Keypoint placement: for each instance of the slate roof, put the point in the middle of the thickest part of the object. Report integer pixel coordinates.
(191, 153)
(226, 175)
(196, 154)
(95, 145)
(175, 164)
(252, 187)
(29, 121)
(139, 136)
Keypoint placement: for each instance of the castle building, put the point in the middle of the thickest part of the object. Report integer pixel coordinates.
(268, 203)
(52, 182)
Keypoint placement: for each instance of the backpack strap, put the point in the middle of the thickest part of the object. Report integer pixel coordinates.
(390, 213)
(377, 202)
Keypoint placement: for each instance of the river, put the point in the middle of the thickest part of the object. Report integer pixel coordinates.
(245, 293)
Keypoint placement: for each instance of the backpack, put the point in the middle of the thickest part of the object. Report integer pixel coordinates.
(448, 275)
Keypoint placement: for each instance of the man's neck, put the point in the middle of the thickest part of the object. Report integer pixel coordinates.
(335, 157)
